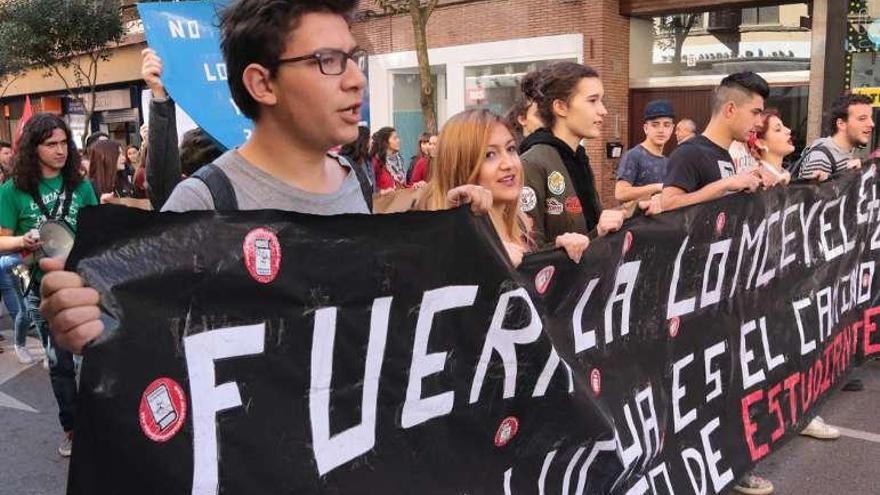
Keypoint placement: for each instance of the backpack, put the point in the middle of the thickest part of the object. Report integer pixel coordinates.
(224, 197)
(794, 168)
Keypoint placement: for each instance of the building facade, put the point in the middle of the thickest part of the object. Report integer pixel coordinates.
(480, 49)
(862, 53)
(117, 100)
(643, 49)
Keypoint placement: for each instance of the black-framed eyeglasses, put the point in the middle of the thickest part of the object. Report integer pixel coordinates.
(332, 62)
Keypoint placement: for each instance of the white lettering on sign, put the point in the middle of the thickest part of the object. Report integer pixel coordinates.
(181, 28)
(202, 351)
(216, 72)
(333, 450)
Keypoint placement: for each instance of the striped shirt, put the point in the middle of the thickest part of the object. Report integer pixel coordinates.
(817, 160)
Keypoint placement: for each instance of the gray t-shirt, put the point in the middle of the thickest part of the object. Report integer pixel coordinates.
(257, 190)
(640, 167)
(817, 160)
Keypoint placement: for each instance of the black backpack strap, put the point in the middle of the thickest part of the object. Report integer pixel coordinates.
(219, 185)
(366, 187)
(798, 165)
(363, 180)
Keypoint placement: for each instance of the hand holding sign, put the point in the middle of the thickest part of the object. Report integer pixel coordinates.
(186, 43)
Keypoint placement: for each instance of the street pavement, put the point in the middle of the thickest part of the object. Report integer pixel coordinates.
(30, 435)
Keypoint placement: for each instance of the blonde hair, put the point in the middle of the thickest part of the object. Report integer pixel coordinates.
(464, 140)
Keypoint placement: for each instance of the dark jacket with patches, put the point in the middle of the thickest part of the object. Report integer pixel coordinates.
(560, 191)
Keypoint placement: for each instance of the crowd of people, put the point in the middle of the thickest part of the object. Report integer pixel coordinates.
(527, 171)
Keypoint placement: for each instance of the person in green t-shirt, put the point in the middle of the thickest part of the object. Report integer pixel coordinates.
(46, 184)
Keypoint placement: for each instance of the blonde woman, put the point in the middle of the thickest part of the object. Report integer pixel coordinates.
(477, 148)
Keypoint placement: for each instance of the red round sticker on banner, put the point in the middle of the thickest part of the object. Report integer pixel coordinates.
(596, 381)
(508, 429)
(163, 410)
(627, 242)
(262, 255)
(720, 222)
(543, 278)
(674, 325)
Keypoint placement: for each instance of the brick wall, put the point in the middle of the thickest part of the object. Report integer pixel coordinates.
(606, 47)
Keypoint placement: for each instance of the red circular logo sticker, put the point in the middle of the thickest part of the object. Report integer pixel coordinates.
(720, 222)
(262, 255)
(543, 278)
(573, 205)
(596, 381)
(163, 410)
(508, 429)
(674, 325)
(627, 242)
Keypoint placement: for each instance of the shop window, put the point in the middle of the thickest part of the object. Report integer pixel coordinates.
(496, 86)
(407, 107)
(760, 15)
(720, 42)
(865, 70)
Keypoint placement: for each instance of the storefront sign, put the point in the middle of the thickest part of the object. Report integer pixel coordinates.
(874, 93)
(115, 99)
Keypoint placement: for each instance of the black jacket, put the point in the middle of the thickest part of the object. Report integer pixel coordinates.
(560, 190)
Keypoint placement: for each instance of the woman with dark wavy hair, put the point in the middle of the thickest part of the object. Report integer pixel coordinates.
(388, 165)
(46, 185)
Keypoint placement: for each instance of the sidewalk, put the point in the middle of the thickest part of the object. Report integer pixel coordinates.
(29, 429)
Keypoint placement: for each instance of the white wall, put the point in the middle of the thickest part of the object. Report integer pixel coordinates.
(456, 58)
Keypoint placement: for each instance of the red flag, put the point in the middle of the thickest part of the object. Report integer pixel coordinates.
(26, 115)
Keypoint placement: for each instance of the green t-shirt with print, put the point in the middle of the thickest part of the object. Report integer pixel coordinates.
(20, 213)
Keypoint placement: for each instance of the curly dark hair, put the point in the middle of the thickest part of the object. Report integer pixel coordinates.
(519, 110)
(256, 32)
(380, 143)
(840, 110)
(26, 170)
(358, 151)
(557, 81)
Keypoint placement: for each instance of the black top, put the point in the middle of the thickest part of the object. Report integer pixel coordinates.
(697, 163)
(577, 163)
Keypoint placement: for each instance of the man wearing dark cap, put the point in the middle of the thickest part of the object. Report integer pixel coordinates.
(642, 168)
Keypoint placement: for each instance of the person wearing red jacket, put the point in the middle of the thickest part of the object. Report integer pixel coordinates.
(387, 162)
(420, 172)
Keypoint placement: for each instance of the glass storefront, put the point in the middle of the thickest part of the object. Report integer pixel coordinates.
(863, 53)
(496, 86)
(407, 107)
(761, 39)
(690, 52)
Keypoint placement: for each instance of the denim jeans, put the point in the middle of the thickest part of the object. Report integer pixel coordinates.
(62, 372)
(11, 292)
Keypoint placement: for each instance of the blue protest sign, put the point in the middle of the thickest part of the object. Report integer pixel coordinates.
(186, 37)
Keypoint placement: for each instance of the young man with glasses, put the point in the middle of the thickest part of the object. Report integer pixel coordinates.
(295, 70)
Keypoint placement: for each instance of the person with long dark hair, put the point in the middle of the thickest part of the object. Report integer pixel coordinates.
(388, 165)
(46, 185)
(107, 171)
(420, 166)
(357, 153)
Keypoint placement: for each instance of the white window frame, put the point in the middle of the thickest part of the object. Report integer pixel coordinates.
(455, 59)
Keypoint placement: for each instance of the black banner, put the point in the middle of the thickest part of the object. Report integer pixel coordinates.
(274, 352)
